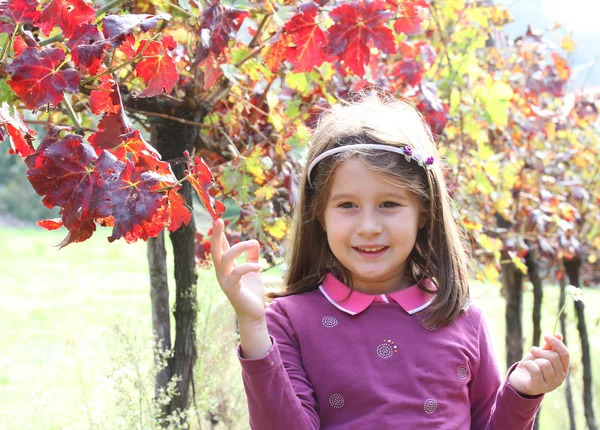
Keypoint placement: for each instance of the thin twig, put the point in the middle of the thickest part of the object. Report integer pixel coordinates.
(72, 115)
(126, 63)
(8, 40)
(169, 117)
(180, 9)
(55, 38)
(108, 6)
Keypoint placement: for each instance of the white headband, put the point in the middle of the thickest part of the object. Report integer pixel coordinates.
(408, 152)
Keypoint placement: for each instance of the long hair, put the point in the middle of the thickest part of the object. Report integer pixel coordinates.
(439, 252)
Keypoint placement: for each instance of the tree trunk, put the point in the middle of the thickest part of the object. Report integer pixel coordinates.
(538, 294)
(512, 279)
(159, 294)
(563, 330)
(572, 268)
(185, 304)
(171, 139)
(531, 261)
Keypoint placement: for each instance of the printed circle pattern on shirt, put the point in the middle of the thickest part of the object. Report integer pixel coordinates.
(329, 321)
(462, 372)
(336, 400)
(427, 326)
(430, 406)
(386, 349)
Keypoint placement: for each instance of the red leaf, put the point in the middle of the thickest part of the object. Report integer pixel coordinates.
(220, 25)
(212, 70)
(308, 41)
(60, 171)
(135, 145)
(278, 46)
(432, 108)
(157, 68)
(410, 71)
(80, 229)
(19, 45)
(201, 179)
(88, 46)
(409, 22)
(7, 27)
(35, 79)
(21, 136)
(105, 99)
(356, 24)
(132, 201)
(109, 134)
(128, 46)
(66, 14)
(51, 224)
(178, 212)
(117, 27)
(21, 10)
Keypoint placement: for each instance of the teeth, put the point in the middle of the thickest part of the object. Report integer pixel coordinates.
(371, 249)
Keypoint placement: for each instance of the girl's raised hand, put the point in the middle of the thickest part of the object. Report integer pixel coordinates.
(241, 284)
(543, 369)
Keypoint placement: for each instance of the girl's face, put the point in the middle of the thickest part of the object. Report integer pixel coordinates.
(371, 226)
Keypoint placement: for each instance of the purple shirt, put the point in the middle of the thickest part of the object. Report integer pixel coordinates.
(367, 363)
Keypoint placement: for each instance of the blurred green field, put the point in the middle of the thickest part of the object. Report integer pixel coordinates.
(59, 310)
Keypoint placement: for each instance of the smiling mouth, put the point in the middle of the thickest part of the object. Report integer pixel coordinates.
(371, 251)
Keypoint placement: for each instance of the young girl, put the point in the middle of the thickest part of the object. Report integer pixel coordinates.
(375, 329)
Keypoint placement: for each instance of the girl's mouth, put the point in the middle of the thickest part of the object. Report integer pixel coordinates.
(370, 252)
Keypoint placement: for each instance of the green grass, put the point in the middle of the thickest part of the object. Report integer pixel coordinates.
(59, 309)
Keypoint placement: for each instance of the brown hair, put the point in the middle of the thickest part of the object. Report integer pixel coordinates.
(380, 118)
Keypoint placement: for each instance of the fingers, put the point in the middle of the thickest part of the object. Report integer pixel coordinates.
(216, 241)
(559, 347)
(253, 254)
(537, 378)
(244, 269)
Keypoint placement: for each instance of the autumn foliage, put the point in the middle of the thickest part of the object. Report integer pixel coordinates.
(263, 74)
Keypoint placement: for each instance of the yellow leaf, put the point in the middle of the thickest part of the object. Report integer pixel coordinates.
(491, 272)
(272, 100)
(592, 258)
(486, 243)
(265, 192)
(551, 131)
(568, 44)
(520, 265)
(278, 230)
(277, 120)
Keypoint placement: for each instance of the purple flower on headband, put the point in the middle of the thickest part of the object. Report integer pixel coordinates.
(408, 151)
(429, 161)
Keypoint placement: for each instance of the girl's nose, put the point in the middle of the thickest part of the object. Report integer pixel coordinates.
(368, 225)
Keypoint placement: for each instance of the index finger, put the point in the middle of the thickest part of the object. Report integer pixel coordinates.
(216, 241)
(558, 346)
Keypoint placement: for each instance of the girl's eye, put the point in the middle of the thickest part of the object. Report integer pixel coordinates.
(345, 205)
(390, 204)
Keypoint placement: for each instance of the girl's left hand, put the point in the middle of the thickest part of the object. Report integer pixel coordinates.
(543, 369)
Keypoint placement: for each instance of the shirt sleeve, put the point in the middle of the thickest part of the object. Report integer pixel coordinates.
(280, 396)
(495, 405)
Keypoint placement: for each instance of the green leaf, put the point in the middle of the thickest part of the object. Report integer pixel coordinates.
(7, 94)
(298, 82)
(484, 182)
(498, 101)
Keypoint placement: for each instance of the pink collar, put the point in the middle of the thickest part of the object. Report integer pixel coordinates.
(412, 299)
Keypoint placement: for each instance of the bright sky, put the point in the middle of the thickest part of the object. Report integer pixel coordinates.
(578, 15)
